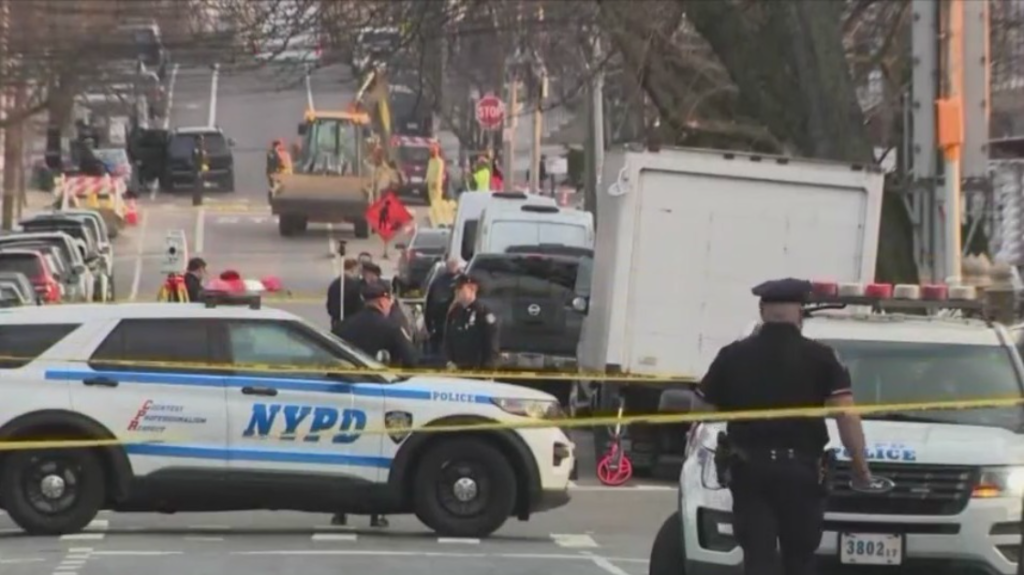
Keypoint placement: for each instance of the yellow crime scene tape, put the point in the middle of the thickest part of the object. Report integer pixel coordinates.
(267, 368)
(566, 423)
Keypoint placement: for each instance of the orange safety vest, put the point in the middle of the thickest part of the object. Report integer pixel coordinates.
(286, 161)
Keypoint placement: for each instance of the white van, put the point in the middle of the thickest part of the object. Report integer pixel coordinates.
(503, 227)
(471, 207)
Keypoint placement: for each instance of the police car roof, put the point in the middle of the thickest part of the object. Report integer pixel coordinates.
(900, 328)
(76, 313)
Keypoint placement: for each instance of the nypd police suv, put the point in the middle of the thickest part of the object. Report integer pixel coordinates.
(195, 418)
(958, 475)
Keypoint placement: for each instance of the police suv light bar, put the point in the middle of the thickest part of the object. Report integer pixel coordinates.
(214, 298)
(899, 296)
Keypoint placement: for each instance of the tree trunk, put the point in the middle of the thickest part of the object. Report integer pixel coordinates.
(788, 62)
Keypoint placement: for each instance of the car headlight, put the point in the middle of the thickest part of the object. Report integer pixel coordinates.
(1000, 482)
(532, 408)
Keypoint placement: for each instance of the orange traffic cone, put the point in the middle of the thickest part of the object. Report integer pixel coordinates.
(131, 213)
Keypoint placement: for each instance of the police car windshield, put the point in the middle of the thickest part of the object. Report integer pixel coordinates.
(912, 372)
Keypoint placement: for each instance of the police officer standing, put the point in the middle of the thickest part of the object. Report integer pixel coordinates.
(471, 330)
(373, 330)
(774, 467)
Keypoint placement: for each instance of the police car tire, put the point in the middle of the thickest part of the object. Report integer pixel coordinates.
(91, 492)
(499, 473)
(667, 554)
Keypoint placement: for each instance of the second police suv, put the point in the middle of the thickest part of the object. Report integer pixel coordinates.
(190, 435)
(957, 474)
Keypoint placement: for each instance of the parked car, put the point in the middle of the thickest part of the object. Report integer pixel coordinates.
(426, 247)
(79, 280)
(36, 267)
(16, 289)
(98, 252)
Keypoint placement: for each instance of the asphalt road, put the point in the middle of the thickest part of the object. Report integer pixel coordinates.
(602, 531)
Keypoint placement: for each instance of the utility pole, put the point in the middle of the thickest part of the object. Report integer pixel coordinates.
(594, 146)
(950, 114)
(541, 94)
(512, 124)
(6, 150)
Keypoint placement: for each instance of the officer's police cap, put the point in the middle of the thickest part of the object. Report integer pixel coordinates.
(372, 268)
(789, 290)
(375, 290)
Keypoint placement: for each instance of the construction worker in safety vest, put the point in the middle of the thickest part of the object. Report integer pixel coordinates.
(435, 175)
(482, 174)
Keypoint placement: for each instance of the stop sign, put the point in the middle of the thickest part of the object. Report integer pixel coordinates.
(490, 112)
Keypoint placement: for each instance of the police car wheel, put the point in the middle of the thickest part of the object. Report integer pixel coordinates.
(52, 492)
(464, 488)
(667, 554)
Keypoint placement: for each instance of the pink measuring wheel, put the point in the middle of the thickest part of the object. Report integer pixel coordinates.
(615, 468)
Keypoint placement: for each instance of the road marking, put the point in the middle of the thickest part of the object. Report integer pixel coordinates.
(212, 120)
(458, 540)
(170, 95)
(573, 486)
(198, 237)
(574, 540)
(209, 528)
(207, 539)
(605, 564)
(20, 561)
(83, 537)
(135, 553)
(98, 525)
(137, 275)
(227, 220)
(582, 556)
(334, 537)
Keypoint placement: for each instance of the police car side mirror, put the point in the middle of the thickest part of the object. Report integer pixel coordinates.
(383, 356)
(580, 304)
(677, 401)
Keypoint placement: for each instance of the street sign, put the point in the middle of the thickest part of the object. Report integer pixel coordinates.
(388, 216)
(490, 112)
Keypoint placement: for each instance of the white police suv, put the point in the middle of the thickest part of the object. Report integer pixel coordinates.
(958, 474)
(205, 439)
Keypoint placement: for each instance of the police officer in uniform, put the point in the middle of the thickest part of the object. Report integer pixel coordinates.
(471, 330)
(372, 329)
(774, 467)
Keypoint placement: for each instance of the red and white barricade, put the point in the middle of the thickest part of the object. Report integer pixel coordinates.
(412, 142)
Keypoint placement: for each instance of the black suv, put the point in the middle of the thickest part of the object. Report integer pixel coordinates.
(535, 292)
(167, 156)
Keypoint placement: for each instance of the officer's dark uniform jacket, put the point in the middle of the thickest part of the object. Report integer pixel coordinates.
(193, 286)
(775, 368)
(775, 476)
(439, 299)
(471, 336)
(350, 302)
(371, 332)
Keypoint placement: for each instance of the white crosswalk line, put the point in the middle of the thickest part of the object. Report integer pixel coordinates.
(83, 537)
(227, 220)
(573, 540)
(98, 525)
(458, 540)
(334, 537)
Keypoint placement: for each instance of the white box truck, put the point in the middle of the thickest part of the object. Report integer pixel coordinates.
(682, 237)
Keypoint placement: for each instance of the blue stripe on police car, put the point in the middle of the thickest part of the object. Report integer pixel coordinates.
(281, 383)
